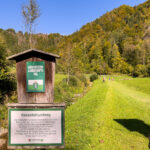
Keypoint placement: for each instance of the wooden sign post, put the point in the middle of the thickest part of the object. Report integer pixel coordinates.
(35, 121)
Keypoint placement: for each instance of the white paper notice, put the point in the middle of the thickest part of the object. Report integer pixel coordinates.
(36, 127)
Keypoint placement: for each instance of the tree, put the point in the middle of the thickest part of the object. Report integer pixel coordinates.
(7, 80)
(30, 13)
(2, 57)
(69, 60)
(2, 67)
(106, 51)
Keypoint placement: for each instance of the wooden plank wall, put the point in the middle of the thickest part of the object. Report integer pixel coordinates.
(41, 97)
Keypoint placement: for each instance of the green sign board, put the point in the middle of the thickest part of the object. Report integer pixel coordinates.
(35, 76)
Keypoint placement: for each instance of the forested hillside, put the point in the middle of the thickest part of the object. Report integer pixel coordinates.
(118, 41)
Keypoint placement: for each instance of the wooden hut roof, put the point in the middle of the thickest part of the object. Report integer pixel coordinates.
(32, 51)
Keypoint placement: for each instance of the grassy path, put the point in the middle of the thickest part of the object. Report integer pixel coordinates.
(111, 116)
(81, 119)
(125, 123)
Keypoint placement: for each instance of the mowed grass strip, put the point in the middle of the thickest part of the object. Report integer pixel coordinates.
(81, 118)
(140, 84)
(125, 123)
(112, 116)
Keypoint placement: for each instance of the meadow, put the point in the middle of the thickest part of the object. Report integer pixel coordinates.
(112, 115)
(140, 84)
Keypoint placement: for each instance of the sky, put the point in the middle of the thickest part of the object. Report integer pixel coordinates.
(58, 16)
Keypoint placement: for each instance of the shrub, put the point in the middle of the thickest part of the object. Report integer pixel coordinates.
(7, 85)
(93, 77)
(136, 73)
(82, 78)
(62, 93)
(140, 71)
(7, 80)
(74, 81)
(65, 92)
(148, 69)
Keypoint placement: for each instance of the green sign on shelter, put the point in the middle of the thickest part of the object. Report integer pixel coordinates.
(35, 73)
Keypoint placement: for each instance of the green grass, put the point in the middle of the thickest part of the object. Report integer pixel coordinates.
(59, 78)
(114, 115)
(3, 116)
(140, 84)
(81, 118)
(111, 116)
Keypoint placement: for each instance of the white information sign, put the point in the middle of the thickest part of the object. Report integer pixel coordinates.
(35, 127)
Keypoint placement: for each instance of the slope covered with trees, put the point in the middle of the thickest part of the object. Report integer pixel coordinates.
(118, 41)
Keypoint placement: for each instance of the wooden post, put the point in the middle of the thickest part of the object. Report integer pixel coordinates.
(35, 117)
(21, 62)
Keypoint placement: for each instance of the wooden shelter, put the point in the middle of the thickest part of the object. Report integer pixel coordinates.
(33, 55)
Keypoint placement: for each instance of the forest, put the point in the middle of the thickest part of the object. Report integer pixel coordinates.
(118, 41)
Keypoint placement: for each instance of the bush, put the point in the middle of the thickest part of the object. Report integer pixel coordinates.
(82, 78)
(148, 69)
(7, 80)
(93, 77)
(73, 81)
(7, 85)
(135, 73)
(140, 71)
(62, 93)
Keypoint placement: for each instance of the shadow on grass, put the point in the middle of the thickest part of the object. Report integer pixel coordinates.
(135, 125)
